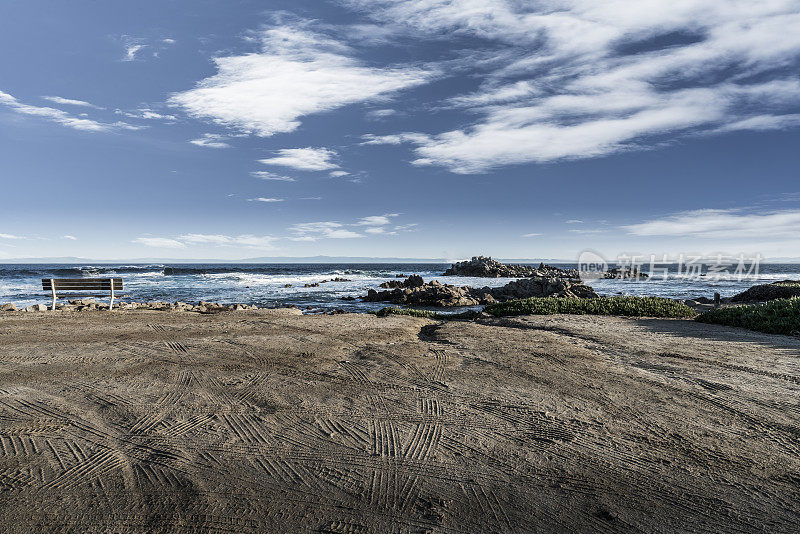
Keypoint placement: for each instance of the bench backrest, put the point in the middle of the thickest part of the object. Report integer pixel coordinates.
(82, 284)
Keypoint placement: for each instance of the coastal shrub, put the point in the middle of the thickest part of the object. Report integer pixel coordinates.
(775, 317)
(625, 306)
(390, 310)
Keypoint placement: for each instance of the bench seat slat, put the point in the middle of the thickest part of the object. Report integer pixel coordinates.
(83, 284)
(47, 285)
(79, 280)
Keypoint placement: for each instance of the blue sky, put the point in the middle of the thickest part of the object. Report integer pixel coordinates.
(423, 128)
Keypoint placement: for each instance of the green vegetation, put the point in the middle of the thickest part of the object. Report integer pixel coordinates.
(625, 306)
(774, 317)
(383, 312)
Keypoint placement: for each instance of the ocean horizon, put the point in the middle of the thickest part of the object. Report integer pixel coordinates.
(265, 284)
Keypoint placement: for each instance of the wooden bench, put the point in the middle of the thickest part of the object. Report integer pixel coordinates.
(82, 284)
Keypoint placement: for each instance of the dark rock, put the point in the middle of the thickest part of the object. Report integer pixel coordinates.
(624, 273)
(776, 290)
(8, 307)
(486, 267)
(436, 294)
(287, 285)
(541, 286)
(412, 281)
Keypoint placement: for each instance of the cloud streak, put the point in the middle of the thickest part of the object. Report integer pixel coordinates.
(295, 72)
(61, 117)
(266, 175)
(211, 141)
(208, 240)
(304, 159)
(70, 102)
(586, 79)
(722, 224)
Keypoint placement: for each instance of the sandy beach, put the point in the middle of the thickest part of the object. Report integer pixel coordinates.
(271, 421)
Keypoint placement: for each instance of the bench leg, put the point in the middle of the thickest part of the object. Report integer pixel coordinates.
(53, 290)
(111, 303)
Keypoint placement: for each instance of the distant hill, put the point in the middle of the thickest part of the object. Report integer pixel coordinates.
(277, 259)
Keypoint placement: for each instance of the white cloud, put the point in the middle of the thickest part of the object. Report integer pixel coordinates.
(574, 221)
(585, 78)
(376, 220)
(497, 95)
(70, 102)
(61, 117)
(587, 231)
(531, 235)
(339, 174)
(211, 141)
(395, 139)
(131, 50)
(266, 175)
(763, 122)
(146, 113)
(310, 198)
(70, 237)
(244, 240)
(328, 229)
(159, 242)
(168, 41)
(378, 114)
(263, 199)
(10, 236)
(342, 234)
(304, 159)
(722, 224)
(296, 72)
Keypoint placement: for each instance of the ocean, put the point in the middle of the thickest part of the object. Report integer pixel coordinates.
(264, 284)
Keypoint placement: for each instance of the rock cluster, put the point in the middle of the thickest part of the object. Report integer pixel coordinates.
(486, 267)
(414, 280)
(541, 286)
(316, 284)
(776, 290)
(624, 273)
(430, 294)
(415, 292)
(91, 305)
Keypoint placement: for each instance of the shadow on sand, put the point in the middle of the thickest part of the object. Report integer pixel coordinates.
(689, 328)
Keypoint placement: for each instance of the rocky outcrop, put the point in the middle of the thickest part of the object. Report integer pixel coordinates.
(541, 286)
(624, 273)
(430, 294)
(414, 280)
(435, 294)
(486, 267)
(776, 290)
(80, 305)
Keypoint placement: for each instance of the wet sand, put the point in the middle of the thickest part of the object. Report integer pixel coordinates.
(267, 421)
